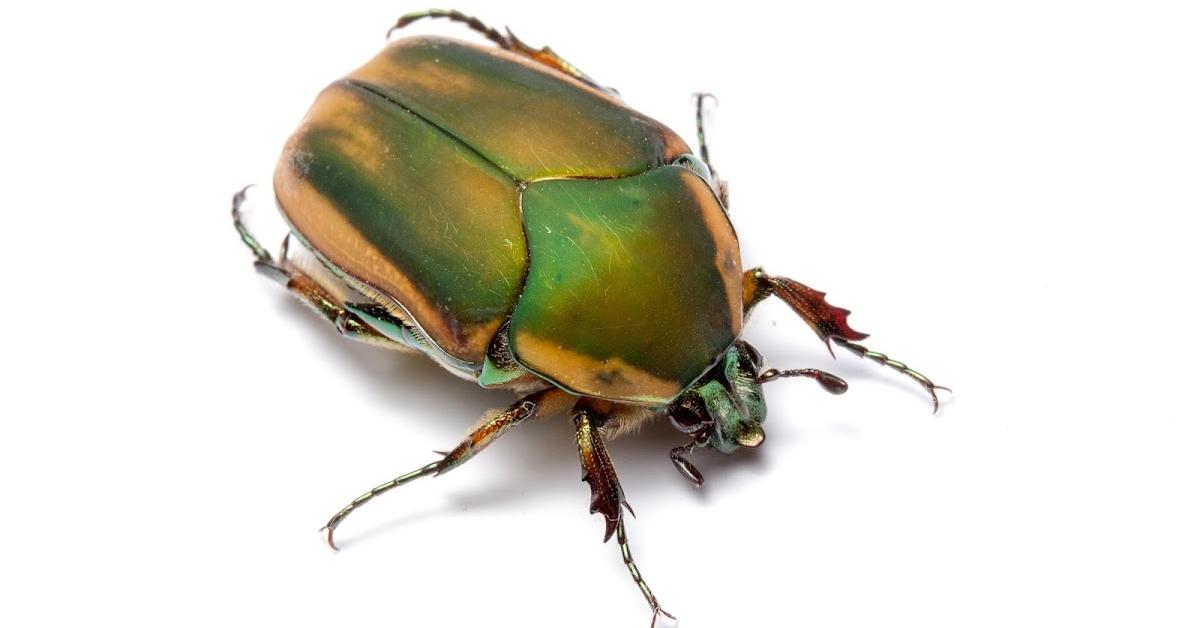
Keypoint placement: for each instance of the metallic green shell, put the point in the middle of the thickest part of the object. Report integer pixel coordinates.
(399, 206)
(634, 284)
(407, 178)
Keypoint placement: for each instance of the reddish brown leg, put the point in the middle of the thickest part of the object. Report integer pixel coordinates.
(828, 321)
(607, 497)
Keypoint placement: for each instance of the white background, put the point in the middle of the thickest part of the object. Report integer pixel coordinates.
(1004, 193)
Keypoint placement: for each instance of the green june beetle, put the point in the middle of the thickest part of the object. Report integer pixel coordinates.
(497, 210)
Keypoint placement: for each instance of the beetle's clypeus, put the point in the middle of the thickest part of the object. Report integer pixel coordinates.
(499, 211)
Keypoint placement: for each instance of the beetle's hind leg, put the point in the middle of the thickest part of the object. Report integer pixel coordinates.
(508, 41)
(470, 21)
(318, 295)
(492, 426)
(608, 498)
(722, 185)
(828, 321)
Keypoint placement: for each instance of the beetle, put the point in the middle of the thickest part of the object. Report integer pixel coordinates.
(497, 210)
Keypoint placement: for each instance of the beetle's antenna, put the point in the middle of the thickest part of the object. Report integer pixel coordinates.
(830, 382)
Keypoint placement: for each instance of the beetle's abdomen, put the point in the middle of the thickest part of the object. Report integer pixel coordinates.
(634, 284)
(400, 205)
(530, 120)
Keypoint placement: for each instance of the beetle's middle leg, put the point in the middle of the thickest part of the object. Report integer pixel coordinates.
(508, 41)
(493, 425)
(607, 497)
(828, 321)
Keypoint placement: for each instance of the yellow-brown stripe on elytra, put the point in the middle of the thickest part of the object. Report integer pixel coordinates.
(728, 258)
(451, 256)
(578, 372)
(344, 246)
(634, 284)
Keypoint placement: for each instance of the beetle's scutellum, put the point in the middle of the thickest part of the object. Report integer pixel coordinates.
(499, 211)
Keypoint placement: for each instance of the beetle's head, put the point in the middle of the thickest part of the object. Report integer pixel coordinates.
(725, 408)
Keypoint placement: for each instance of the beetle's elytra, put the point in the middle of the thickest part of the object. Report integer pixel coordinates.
(500, 212)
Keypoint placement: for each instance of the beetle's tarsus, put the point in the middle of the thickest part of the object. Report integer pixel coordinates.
(475, 442)
(473, 23)
(722, 186)
(607, 496)
(897, 365)
(627, 556)
(828, 321)
(700, 96)
(508, 41)
(257, 249)
(329, 538)
(657, 610)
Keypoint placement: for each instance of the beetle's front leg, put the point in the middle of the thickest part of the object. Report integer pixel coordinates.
(608, 498)
(828, 321)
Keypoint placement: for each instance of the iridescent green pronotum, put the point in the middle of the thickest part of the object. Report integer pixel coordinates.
(497, 210)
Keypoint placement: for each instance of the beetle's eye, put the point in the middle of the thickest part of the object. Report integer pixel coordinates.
(685, 419)
(755, 356)
(695, 164)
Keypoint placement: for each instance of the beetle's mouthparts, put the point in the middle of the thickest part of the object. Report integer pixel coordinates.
(830, 382)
